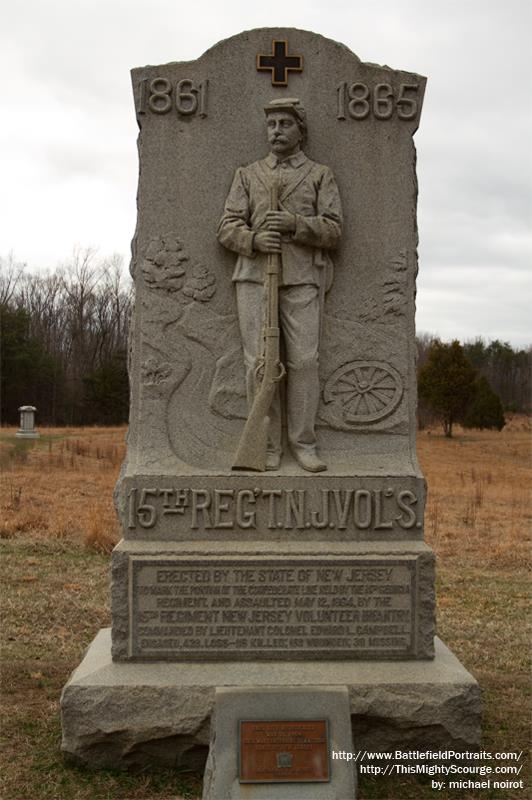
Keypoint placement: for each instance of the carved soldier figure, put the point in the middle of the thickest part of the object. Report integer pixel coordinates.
(303, 231)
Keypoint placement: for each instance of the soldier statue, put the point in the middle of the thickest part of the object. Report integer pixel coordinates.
(300, 231)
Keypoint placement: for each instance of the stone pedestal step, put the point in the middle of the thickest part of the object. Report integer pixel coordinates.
(122, 715)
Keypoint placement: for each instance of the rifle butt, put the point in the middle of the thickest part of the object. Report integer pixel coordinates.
(251, 452)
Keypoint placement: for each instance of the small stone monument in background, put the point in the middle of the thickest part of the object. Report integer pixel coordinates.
(27, 423)
(272, 591)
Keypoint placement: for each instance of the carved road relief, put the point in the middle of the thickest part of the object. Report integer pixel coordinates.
(179, 285)
(179, 327)
(202, 412)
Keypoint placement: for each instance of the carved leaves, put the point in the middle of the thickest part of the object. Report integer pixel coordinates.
(164, 267)
(155, 373)
(201, 286)
(391, 295)
(394, 285)
(369, 310)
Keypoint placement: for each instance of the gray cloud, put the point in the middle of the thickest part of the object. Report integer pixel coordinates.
(69, 149)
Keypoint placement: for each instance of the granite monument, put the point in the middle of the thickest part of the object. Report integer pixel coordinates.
(294, 563)
(27, 423)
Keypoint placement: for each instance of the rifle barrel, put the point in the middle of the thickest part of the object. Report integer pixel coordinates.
(251, 452)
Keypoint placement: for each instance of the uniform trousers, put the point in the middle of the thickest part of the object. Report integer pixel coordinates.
(299, 320)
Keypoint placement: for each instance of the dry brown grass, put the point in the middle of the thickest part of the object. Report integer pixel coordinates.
(57, 521)
(479, 506)
(61, 486)
(479, 498)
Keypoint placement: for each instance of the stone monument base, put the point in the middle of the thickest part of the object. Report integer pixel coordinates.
(133, 715)
(269, 601)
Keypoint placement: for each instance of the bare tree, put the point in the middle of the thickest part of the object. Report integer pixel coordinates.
(77, 316)
(11, 273)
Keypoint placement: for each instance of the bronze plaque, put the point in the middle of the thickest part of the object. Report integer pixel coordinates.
(284, 751)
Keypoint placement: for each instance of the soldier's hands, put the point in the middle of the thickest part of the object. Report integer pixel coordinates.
(277, 224)
(267, 241)
(282, 221)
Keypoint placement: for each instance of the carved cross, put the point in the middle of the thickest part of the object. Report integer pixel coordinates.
(279, 62)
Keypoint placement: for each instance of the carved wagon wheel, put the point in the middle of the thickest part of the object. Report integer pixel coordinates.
(367, 391)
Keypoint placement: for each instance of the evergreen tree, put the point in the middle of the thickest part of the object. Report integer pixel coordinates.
(446, 383)
(29, 375)
(107, 392)
(507, 370)
(485, 410)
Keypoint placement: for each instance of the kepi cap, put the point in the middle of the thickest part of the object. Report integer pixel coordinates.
(291, 104)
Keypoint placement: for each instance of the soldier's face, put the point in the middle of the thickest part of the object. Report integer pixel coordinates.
(284, 135)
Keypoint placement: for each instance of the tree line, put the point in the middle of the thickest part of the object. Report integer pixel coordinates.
(473, 383)
(64, 349)
(507, 370)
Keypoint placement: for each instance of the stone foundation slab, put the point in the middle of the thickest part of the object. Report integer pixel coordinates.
(130, 715)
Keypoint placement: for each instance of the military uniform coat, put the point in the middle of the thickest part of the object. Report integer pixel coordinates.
(307, 190)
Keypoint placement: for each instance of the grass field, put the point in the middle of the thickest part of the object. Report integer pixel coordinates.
(58, 525)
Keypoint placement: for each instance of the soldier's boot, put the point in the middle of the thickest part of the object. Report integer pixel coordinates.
(303, 395)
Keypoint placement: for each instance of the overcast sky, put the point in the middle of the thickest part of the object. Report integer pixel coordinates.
(68, 132)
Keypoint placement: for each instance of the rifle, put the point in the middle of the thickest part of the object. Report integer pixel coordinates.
(251, 451)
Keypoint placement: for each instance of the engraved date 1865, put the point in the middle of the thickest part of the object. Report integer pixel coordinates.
(359, 101)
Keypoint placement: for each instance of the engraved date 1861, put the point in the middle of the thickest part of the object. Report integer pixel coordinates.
(359, 101)
(160, 96)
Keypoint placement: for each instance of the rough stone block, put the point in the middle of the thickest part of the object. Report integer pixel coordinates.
(131, 715)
